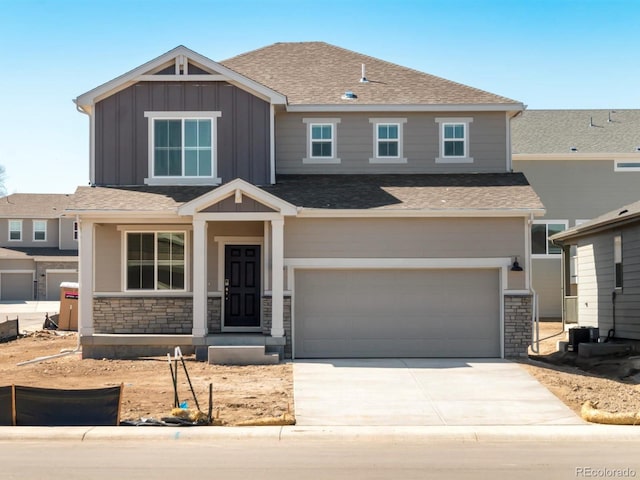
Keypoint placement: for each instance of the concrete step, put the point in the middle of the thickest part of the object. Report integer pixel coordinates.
(237, 339)
(241, 355)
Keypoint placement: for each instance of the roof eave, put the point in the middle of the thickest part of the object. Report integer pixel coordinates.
(586, 229)
(477, 107)
(452, 212)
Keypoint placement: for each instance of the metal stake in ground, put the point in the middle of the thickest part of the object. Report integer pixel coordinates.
(174, 382)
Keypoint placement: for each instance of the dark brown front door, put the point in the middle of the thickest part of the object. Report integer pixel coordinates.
(242, 286)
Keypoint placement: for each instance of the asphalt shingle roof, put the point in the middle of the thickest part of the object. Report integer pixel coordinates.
(317, 73)
(589, 131)
(33, 205)
(41, 253)
(628, 213)
(495, 191)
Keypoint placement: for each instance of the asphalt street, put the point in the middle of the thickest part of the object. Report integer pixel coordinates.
(336, 458)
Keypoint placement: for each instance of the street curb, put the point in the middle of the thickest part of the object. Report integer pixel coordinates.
(408, 434)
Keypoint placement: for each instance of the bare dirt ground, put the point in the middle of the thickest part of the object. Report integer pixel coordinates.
(612, 382)
(254, 393)
(239, 393)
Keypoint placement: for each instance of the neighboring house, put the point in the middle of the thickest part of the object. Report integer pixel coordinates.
(608, 259)
(582, 163)
(329, 203)
(38, 246)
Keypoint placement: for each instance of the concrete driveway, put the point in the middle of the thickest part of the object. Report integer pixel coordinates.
(419, 392)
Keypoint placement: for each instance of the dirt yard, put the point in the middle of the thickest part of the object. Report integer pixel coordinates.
(239, 393)
(612, 382)
(259, 392)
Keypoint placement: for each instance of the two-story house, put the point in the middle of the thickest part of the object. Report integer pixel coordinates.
(38, 246)
(582, 164)
(321, 202)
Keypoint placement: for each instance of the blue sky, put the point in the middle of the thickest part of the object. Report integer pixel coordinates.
(544, 53)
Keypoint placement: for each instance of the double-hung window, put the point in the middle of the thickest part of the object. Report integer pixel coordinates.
(454, 140)
(15, 230)
(182, 148)
(39, 230)
(541, 230)
(155, 260)
(321, 140)
(617, 261)
(387, 140)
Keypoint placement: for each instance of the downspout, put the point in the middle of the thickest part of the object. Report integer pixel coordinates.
(535, 318)
(91, 143)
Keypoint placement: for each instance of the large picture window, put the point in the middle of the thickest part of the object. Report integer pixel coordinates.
(540, 233)
(155, 261)
(182, 146)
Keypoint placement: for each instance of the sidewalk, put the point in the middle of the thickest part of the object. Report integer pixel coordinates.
(480, 434)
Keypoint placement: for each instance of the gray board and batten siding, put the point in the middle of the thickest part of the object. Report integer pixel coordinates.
(596, 284)
(121, 138)
(355, 137)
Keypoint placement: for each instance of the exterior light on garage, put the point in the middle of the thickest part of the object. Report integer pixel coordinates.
(516, 266)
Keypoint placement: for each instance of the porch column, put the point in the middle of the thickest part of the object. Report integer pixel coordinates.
(199, 278)
(277, 287)
(85, 278)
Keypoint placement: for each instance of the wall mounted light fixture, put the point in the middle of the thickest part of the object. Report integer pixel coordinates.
(516, 266)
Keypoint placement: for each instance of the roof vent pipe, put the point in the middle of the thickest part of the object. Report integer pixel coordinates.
(363, 78)
(591, 121)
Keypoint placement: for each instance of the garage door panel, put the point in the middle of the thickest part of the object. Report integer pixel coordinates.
(16, 286)
(391, 313)
(54, 279)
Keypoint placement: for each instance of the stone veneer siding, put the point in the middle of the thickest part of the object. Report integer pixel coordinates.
(266, 322)
(214, 314)
(517, 325)
(41, 270)
(150, 315)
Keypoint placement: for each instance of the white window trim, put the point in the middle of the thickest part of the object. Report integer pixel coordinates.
(442, 121)
(618, 166)
(617, 259)
(34, 231)
(9, 231)
(181, 180)
(547, 222)
(166, 292)
(310, 122)
(399, 122)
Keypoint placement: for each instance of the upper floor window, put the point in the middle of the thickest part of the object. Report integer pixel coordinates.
(454, 140)
(617, 260)
(182, 148)
(15, 230)
(541, 230)
(155, 261)
(321, 140)
(627, 166)
(39, 230)
(75, 230)
(387, 140)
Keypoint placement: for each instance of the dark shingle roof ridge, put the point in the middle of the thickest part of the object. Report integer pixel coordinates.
(373, 59)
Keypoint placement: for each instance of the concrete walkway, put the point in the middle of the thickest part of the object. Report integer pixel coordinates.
(31, 314)
(422, 392)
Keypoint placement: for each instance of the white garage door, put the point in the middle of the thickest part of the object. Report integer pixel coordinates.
(55, 279)
(16, 286)
(397, 313)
